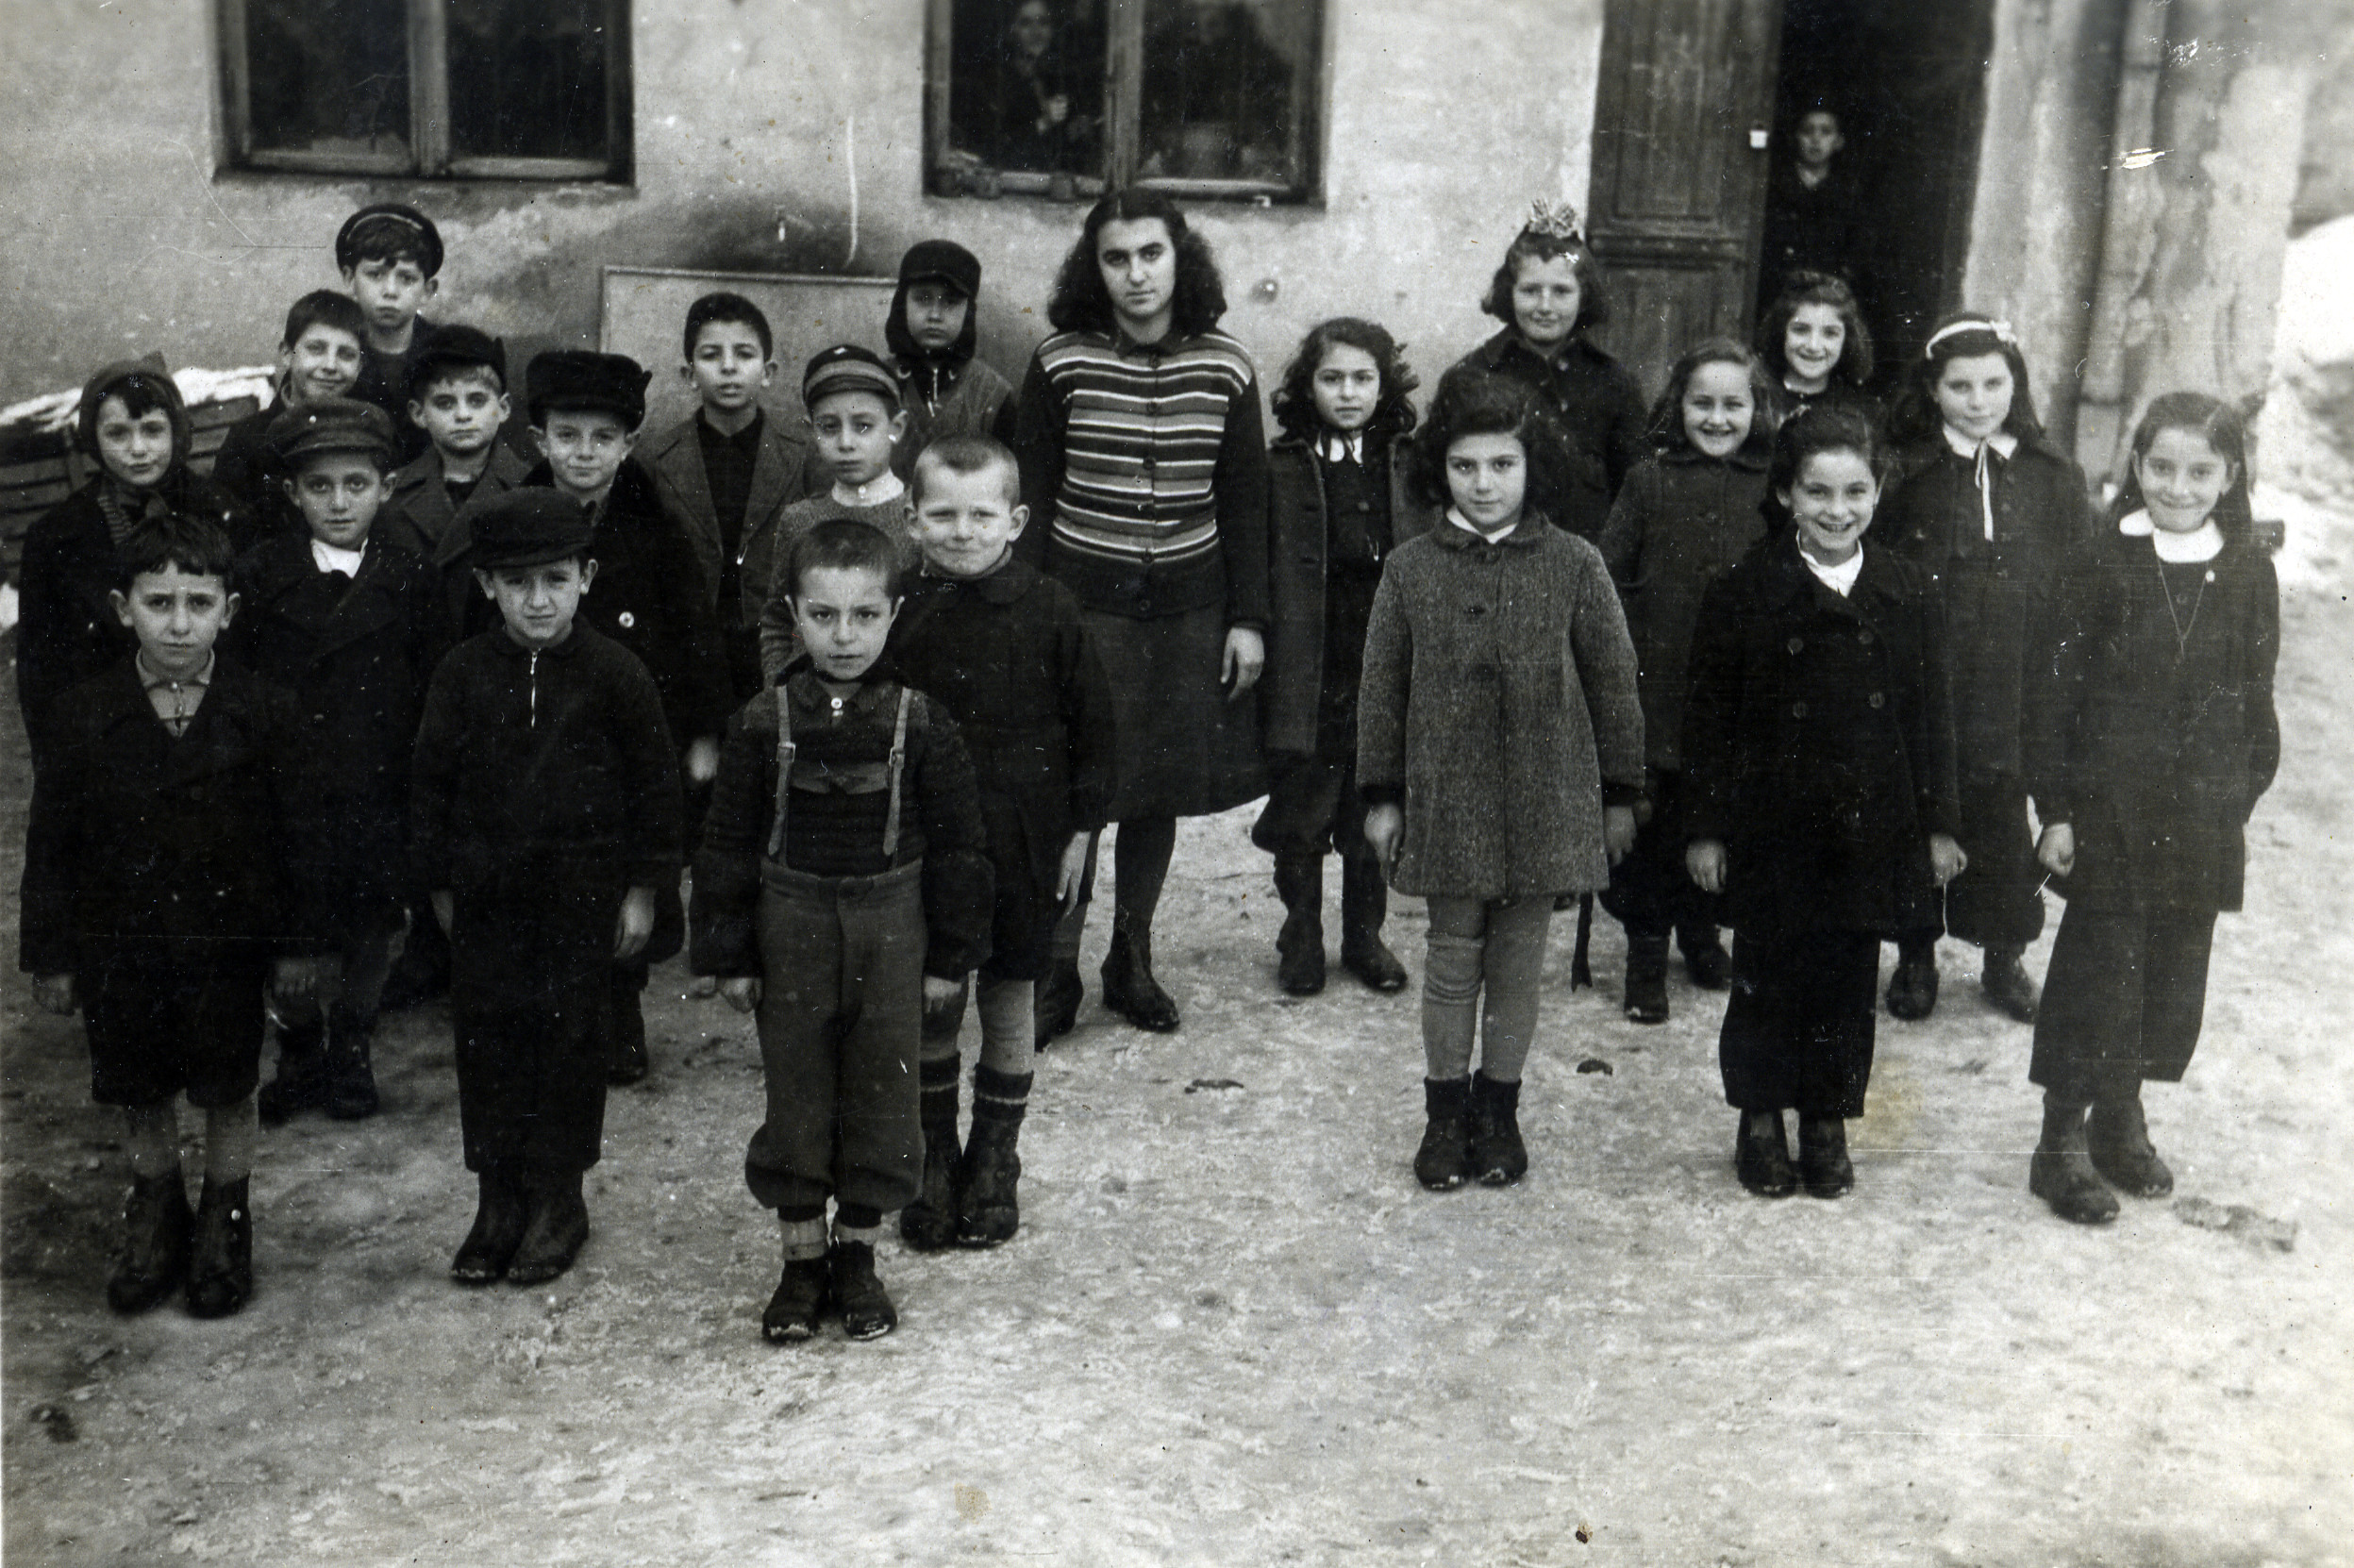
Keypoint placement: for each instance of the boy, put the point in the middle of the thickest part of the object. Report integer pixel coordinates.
(1814, 220)
(391, 258)
(343, 619)
(319, 358)
(545, 820)
(728, 470)
(650, 597)
(1000, 645)
(855, 418)
(841, 900)
(457, 396)
(945, 388)
(156, 897)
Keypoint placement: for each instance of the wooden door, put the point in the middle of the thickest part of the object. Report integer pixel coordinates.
(1678, 195)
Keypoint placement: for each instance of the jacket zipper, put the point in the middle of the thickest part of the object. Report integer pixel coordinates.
(535, 689)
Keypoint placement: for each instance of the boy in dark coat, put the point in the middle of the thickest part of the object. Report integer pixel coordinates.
(157, 897)
(391, 258)
(1000, 646)
(842, 888)
(343, 619)
(319, 357)
(457, 396)
(546, 821)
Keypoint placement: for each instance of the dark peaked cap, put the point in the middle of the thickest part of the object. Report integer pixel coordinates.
(529, 527)
(428, 237)
(453, 346)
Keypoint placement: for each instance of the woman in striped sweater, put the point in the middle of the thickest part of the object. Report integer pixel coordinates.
(1145, 468)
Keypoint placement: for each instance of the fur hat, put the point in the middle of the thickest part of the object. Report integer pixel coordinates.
(575, 379)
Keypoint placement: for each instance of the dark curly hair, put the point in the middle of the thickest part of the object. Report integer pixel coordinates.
(1475, 402)
(1294, 398)
(2218, 425)
(1811, 431)
(1855, 355)
(1666, 430)
(1081, 303)
(1593, 301)
(1962, 336)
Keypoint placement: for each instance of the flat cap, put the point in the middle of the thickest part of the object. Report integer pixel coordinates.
(529, 527)
(452, 347)
(332, 424)
(847, 367)
(381, 220)
(575, 379)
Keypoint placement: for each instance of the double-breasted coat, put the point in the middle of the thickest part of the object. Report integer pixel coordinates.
(1594, 412)
(1817, 744)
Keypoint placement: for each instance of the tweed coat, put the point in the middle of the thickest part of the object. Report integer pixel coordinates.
(1499, 705)
(1817, 744)
(2154, 745)
(781, 474)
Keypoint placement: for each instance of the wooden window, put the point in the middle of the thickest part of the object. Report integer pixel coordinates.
(440, 88)
(1216, 99)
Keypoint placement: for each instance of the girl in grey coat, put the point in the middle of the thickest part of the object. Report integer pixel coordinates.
(1499, 748)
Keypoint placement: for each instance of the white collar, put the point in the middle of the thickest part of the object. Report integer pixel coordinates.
(1335, 447)
(1474, 529)
(2204, 543)
(1840, 579)
(2005, 444)
(885, 487)
(328, 558)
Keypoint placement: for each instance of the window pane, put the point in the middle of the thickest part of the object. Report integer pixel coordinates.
(528, 78)
(1026, 87)
(328, 75)
(1227, 85)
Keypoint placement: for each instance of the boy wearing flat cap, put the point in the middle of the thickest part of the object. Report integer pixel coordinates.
(945, 388)
(391, 258)
(343, 619)
(545, 820)
(650, 597)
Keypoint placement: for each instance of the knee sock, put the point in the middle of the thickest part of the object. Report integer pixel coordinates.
(1140, 864)
(2061, 1118)
(1008, 1024)
(230, 1133)
(1451, 1000)
(803, 1227)
(1000, 1099)
(857, 1222)
(936, 1099)
(940, 1027)
(152, 1138)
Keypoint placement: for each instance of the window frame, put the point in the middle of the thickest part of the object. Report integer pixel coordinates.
(1124, 78)
(429, 156)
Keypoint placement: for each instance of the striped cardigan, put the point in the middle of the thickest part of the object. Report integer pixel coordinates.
(1146, 472)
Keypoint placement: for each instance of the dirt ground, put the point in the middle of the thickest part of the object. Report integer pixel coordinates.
(1233, 1330)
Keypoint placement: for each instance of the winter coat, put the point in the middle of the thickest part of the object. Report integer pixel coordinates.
(1683, 519)
(1817, 746)
(2155, 748)
(1994, 598)
(245, 468)
(1596, 416)
(950, 397)
(135, 832)
(1299, 533)
(781, 474)
(1499, 705)
(418, 516)
(357, 660)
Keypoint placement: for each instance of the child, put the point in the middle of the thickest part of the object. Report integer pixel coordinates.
(856, 423)
(133, 421)
(318, 358)
(457, 396)
(1991, 510)
(1000, 645)
(343, 619)
(1337, 505)
(1499, 707)
(1819, 348)
(2148, 745)
(728, 470)
(1819, 794)
(545, 813)
(391, 258)
(1548, 291)
(156, 896)
(842, 891)
(1686, 515)
(1812, 208)
(934, 319)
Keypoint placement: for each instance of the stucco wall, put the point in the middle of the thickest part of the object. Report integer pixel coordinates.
(116, 233)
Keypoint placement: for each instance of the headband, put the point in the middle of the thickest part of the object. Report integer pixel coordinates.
(1999, 330)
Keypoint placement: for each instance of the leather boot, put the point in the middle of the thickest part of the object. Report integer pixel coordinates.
(990, 1183)
(1444, 1162)
(1762, 1155)
(858, 1292)
(1364, 906)
(2118, 1139)
(557, 1228)
(221, 1265)
(2060, 1171)
(1299, 947)
(1646, 977)
(1129, 988)
(1499, 1157)
(1823, 1162)
(301, 1083)
(500, 1215)
(155, 1238)
(1059, 997)
(351, 1083)
(799, 1304)
(2007, 986)
(1913, 988)
(930, 1223)
(1705, 958)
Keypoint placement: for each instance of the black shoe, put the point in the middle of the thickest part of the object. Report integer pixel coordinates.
(2116, 1140)
(1913, 988)
(157, 1229)
(1762, 1155)
(1129, 988)
(556, 1230)
(1705, 958)
(2007, 986)
(930, 1223)
(499, 1220)
(1364, 909)
(2061, 1173)
(1499, 1157)
(1444, 1162)
(799, 1305)
(220, 1264)
(1646, 979)
(859, 1295)
(1059, 996)
(627, 1061)
(1823, 1162)
(351, 1082)
(988, 1184)
(301, 1083)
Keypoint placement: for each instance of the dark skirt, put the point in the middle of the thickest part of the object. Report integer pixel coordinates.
(1183, 750)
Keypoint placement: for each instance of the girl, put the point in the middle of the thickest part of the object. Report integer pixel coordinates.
(1499, 748)
(1548, 292)
(1145, 468)
(1337, 503)
(2149, 743)
(1686, 515)
(1991, 510)
(1819, 794)
(1819, 348)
